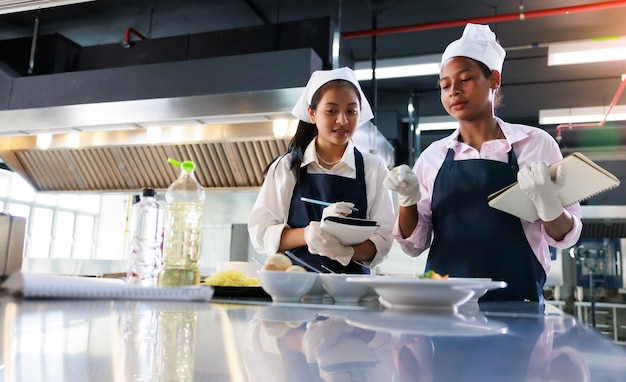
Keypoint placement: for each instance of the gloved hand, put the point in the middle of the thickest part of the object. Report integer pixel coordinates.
(337, 209)
(534, 181)
(321, 335)
(325, 244)
(403, 181)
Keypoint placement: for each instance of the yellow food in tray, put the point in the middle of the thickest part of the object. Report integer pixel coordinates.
(432, 275)
(231, 277)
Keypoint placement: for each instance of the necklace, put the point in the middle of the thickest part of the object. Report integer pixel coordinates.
(325, 162)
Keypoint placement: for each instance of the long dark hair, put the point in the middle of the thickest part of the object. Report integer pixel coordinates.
(307, 131)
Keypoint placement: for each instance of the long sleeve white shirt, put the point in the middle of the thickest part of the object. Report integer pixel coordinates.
(271, 209)
(531, 144)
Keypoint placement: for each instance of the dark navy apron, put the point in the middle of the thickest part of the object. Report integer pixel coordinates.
(472, 239)
(330, 188)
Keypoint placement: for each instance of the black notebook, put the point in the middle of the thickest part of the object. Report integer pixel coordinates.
(583, 179)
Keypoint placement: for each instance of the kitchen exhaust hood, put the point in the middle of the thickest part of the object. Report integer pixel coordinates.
(218, 112)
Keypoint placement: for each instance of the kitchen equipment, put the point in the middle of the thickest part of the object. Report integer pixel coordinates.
(598, 263)
(12, 232)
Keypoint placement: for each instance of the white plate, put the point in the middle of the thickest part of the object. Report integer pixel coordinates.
(414, 293)
(479, 290)
(426, 323)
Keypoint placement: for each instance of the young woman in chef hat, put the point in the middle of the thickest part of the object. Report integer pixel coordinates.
(322, 163)
(443, 199)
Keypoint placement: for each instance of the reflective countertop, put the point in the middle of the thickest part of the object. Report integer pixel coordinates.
(247, 340)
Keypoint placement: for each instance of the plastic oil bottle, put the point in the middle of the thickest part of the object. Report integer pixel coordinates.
(182, 228)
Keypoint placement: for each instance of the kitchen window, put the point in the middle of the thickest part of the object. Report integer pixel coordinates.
(66, 225)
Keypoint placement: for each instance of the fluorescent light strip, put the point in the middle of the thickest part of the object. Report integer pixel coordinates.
(7, 7)
(439, 122)
(581, 115)
(586, 51)
(427, 65)
(398, 71)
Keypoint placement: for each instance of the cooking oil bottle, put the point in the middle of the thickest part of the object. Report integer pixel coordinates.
(182, 222)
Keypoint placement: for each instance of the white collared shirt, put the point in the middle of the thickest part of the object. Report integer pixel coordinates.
(531, 144)
(271, 209)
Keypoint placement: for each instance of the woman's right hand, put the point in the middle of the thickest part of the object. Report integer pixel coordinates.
(404, 182)
(337, 209)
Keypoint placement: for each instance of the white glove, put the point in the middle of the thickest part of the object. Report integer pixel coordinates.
(320, 335)
(325, 244)
(534, 181)
(337, 209)
(403, 181)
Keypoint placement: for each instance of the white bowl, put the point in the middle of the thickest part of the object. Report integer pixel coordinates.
(342, 290)
(286, 286)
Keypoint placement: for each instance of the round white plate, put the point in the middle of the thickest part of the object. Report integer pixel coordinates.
(414, 293)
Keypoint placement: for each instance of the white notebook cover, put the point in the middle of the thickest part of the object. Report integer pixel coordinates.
(40, 285)
(583, 179)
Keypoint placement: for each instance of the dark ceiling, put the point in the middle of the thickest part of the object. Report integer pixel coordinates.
(528, 83)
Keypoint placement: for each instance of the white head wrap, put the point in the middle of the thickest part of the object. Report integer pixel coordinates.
(478, 42)
(319, 78)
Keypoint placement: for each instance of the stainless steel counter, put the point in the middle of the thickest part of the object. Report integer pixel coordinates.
(101, 340)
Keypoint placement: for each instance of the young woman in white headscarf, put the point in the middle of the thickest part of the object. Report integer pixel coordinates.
(323, 164)
(444, 197)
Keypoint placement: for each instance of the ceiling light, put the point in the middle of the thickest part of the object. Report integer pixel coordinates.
(581, 115)
(438, 122)
(44, 140)
(284, 128)
(30, 5)
(594, 50)
(399, 67)
(153, 134)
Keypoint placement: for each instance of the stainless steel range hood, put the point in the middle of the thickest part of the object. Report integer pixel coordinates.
(200, 104)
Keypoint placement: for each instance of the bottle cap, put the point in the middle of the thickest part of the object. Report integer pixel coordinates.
(187, 166)
(151, 192)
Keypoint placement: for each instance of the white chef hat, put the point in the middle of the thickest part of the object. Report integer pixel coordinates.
(478, 42)
(317, 80)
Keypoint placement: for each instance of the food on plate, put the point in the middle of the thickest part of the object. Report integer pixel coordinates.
(432, 275)
(277, 262)
(231, 277)
(295, 268)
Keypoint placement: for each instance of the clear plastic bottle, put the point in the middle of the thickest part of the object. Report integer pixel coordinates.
(144, 258)
(182, 228)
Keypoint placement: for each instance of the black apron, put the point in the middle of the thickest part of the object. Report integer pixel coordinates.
(472, 239)
(330, 188)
